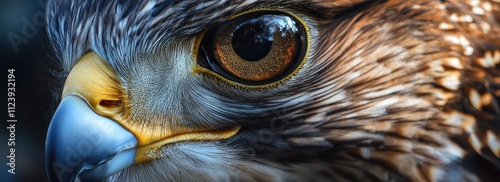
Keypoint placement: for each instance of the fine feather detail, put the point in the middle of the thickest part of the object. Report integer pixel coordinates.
(392, 90)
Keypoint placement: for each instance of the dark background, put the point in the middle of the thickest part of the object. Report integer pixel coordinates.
(34, 63)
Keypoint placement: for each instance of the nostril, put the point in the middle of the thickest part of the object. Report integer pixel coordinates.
(109, 107)
(110, 104)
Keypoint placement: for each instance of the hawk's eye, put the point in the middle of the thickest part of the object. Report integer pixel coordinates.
(256, 48)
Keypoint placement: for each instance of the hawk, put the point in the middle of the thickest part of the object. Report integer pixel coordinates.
(284, 90)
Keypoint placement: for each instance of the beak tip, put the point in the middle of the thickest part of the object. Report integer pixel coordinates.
(81, 144)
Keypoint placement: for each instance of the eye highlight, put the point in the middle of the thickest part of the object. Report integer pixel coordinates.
(255, 49)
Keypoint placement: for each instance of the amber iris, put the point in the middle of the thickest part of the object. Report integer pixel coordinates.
(255, 48)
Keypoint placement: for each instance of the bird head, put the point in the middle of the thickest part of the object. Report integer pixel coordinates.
(273, 90)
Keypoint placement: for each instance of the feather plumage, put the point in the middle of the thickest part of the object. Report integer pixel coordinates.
(391, 91)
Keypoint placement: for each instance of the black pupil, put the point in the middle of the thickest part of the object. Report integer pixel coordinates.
(252, 40)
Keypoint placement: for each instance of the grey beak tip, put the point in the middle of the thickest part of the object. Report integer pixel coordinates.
(84, 146)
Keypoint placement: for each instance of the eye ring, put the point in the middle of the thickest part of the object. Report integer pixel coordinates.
(255, 49)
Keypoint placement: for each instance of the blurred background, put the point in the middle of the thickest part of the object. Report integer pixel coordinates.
(25, 48)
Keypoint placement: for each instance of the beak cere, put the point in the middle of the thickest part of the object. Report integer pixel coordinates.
(92, 137)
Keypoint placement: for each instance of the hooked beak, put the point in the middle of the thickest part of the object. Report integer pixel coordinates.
(91, 136)
(84, 145)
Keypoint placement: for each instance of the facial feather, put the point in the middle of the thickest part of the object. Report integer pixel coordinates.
(390, 90)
